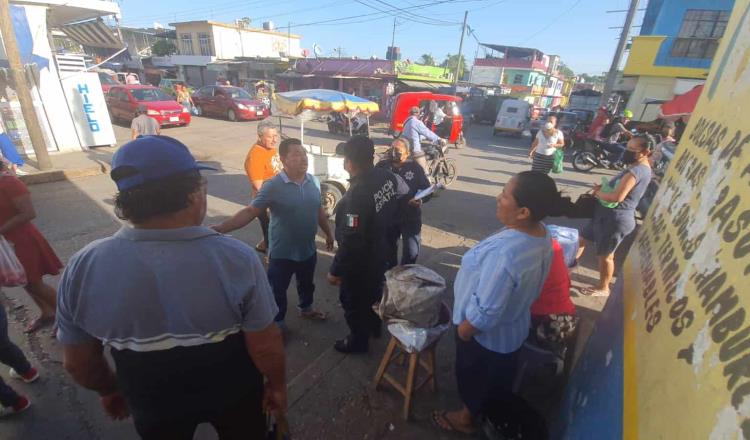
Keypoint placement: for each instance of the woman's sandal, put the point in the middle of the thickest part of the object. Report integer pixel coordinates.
(447, 426)
(592, 291)
(40, 323)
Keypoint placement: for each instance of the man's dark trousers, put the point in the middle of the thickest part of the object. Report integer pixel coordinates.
(280, 273)
(357, 295)
(12, 356)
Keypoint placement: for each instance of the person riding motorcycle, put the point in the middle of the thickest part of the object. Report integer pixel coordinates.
(414, 131)
(616, 134)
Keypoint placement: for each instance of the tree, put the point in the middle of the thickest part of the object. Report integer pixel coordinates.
(450, 63)
(566, 71)
(163, 48)
(427, 59)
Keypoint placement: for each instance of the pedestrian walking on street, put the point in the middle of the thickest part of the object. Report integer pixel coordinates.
(611, 224)
(543, 148)
(261, 164)
(33, 251)
(293, 197)
(183, 97)
(414, 131)
(186, 312)
(142, 124)
(20, 369)
(408, 224)
(363, 218)
(498, 281)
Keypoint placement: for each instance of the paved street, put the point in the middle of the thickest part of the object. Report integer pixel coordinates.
(330, 394)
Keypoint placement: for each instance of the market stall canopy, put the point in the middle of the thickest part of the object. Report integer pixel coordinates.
(682, 105)
(322, 100)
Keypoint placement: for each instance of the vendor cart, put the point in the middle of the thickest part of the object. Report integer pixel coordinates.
(327, 167)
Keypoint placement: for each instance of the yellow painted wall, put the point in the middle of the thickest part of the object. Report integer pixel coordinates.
(655, 87)
(641, 60)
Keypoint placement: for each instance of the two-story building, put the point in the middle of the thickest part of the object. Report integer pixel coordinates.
(674, 50)
(524, 73)
(208, 50)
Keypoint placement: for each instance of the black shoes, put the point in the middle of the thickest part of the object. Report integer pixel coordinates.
(349, 345)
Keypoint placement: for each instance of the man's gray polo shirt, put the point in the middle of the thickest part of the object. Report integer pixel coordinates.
(294, 215)
(155, 289)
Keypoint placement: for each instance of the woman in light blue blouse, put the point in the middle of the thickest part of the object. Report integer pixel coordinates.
(498, 281)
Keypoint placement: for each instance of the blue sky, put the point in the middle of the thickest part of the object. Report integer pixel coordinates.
(577, 30)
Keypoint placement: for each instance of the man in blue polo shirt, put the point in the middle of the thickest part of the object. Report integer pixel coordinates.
(187, 312)
(293, 196)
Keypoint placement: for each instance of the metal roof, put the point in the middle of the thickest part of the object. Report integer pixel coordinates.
(513, 51)
(94, 33)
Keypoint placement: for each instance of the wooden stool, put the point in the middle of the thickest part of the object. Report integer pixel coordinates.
(396, 351)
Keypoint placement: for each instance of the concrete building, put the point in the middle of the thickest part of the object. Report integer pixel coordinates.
(237, 52)
(520, 72)
(674, 50)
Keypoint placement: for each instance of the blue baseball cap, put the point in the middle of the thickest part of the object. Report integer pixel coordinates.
(150, 158)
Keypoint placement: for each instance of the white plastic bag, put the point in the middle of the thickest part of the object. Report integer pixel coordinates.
(568, 239)
(11, 271)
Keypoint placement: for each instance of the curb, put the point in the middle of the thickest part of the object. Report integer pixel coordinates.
(69, 174)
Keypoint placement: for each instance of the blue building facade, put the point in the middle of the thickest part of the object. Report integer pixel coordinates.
(692, 28)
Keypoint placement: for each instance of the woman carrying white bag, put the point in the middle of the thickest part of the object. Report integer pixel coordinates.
(31, 248)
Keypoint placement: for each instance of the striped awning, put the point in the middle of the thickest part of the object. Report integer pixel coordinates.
(94, 33)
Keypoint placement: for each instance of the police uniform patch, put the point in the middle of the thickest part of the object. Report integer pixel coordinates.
(352, 221)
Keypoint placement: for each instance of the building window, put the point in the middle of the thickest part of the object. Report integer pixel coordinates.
(204, 40)
(186, 44)
(518, 79)
(700, 33)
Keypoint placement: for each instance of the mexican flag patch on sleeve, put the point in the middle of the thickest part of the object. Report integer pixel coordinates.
(352, 221)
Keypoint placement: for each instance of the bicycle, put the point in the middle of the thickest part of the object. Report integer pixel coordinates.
(441, 170)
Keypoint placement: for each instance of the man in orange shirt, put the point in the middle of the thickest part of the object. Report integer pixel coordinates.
(262, 163)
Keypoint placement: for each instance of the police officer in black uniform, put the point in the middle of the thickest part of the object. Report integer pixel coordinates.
(408, 225)
(364, 216)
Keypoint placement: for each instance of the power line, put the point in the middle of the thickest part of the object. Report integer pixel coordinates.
(415, 17)
(351, 17)
(559, 16)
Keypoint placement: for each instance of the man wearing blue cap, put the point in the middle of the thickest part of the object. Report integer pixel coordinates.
(187, 312)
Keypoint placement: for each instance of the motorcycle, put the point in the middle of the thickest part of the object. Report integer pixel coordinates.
(339, 123)
(593, 155)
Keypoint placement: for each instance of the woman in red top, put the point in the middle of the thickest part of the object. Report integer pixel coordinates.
(33, 251)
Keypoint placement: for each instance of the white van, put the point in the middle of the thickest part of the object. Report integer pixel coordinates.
(512, 117)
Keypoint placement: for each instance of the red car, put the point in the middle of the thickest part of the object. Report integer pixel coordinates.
(107, 82)
(229, 102)
(123, 100)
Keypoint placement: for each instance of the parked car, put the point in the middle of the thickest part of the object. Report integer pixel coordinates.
(230, 102)
(107, 81)
(123, 100)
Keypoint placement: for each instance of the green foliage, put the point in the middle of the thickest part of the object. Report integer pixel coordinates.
(451, 61)
(427, 59)
(163, 48)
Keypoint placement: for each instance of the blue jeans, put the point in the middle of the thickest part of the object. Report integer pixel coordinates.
(12, 356)
(280, 273)
(411, 240)
(616, 151)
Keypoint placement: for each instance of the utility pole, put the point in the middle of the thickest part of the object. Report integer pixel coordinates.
(460, 48)
(612, 75)
(289, 39)
(339, 51)
(393, 36)
(18, 73)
